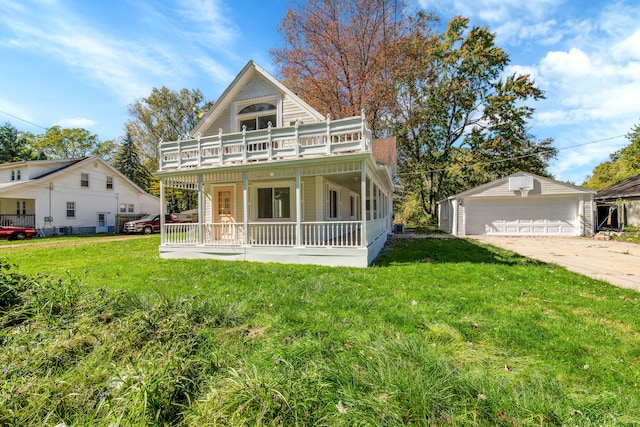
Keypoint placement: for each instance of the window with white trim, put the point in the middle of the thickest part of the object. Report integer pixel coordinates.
(274, 202)
(258, 116)
(84, 180)
(21, 207)
(333, 204)
(71, 209)
(109, 183)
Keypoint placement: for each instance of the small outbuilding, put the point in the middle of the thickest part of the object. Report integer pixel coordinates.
(522, 204)
(619, 204)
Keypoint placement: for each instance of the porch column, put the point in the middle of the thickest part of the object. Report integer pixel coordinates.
(298, 210)
(163, 209)
(245, 207)
(372, 211)
(363, 202)
(200, 210)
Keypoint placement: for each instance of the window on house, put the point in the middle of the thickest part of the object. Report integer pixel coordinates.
(352, 206)
(71, 209)
(258, 116)
(274, 203)
(333, 204)
(130, 208)
(123, 208)
(84, 180)
(21, 207)
(109, 183)
(15, 175)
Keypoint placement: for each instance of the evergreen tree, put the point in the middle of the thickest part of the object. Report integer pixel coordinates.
(14, 146)
(127, 161)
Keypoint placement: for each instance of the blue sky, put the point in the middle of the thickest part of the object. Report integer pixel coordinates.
(80, 63)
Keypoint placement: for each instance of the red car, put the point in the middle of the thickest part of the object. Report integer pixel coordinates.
(16, 233)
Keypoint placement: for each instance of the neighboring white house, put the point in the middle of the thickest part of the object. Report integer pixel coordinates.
(277, 181)
(521, 204)
(69, 196)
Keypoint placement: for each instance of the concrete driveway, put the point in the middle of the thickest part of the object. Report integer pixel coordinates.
(615, 262)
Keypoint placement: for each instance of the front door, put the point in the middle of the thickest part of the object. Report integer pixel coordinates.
(102, 223)
(224, 214)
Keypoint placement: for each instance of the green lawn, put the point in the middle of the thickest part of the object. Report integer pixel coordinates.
(438, 332)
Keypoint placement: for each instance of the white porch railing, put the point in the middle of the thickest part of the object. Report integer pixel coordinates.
(345, 234)
(309, 139)
(334, 234)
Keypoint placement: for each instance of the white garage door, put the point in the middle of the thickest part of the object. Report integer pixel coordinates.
(525, 216)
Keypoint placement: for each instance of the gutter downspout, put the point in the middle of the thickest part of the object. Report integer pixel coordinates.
(454, 216)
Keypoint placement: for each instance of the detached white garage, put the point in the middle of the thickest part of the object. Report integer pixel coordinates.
(521, 204)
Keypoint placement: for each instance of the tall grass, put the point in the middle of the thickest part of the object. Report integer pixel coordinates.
(437, 333)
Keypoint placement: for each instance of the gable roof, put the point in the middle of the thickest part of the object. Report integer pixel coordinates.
(629, 187)
(500, 181)
(65, 165)
(237, 85)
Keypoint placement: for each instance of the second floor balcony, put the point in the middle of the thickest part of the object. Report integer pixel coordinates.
(330, 137)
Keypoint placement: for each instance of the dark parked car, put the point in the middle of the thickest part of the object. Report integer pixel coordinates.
(149, 224)
(16, 233)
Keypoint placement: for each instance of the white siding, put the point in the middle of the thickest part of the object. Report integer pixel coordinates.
(222, 122)
(292, 111)
(309, 198)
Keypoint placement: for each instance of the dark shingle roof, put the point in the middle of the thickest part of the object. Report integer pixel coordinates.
(629, 187)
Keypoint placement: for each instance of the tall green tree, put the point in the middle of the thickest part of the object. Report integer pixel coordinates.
(622, 164)
(14, 146)
(127, 160)
(69, 143)
(165, 115)
(457, 111)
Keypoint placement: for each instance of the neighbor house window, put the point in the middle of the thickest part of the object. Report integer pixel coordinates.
(84, 180)
(109, 183)
(71, 209)
(15, 175)
(123, 208)
(130, 208)
(21, 208)
(274, 203)
(258, 116)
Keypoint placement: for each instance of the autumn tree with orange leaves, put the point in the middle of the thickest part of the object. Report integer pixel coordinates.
(339, 55)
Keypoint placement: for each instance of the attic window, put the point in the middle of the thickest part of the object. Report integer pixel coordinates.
(256, 108)
(258, 116)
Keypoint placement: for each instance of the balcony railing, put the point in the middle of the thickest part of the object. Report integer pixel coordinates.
(343, 234)
(312, 139)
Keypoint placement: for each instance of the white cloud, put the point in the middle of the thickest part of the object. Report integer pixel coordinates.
(566, 64)
(129, 67)
(76, 122)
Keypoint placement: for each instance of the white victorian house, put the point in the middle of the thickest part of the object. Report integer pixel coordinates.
(69, 196)
(277, 181)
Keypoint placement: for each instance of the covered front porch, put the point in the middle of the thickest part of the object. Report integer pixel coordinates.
(335, 210)
(18, 212)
